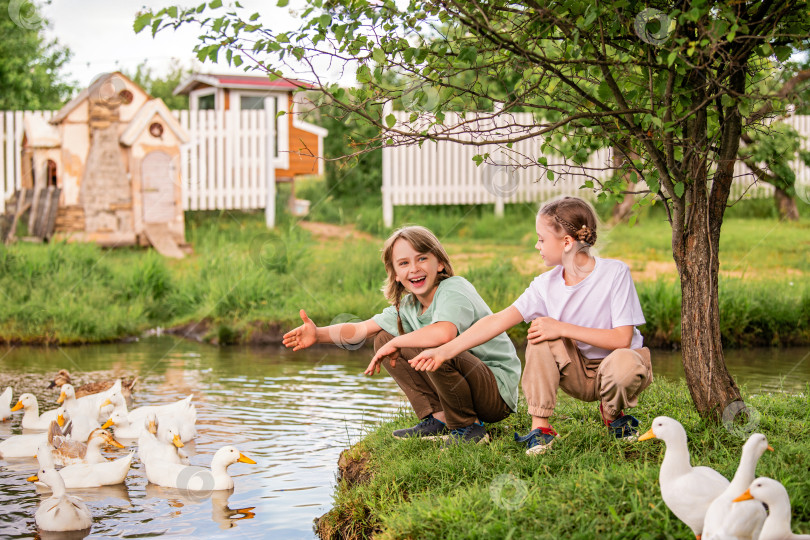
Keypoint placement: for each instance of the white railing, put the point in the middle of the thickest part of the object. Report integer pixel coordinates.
(439, 173)
(228, 164)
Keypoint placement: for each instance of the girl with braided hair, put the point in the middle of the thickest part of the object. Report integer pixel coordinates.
(429, 307)
(583, 336)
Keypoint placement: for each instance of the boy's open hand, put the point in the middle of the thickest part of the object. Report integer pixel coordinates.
(302, 337)
(428, 360)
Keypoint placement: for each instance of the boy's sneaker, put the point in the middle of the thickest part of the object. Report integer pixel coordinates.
(428, 428)
(474, 433)
(538, 440)
(624, 427)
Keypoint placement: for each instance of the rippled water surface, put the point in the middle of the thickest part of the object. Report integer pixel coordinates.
(293, 414)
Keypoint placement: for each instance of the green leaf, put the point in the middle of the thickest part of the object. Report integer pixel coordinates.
(671, 57)
(468, 54)
(378, 55)
(679, 189)
(782, 52)
(632, 220)
(363, 74)
(390, 120)
(214, 4)
(550, 175)
(279, 114)
(283, 3)
(142, 21)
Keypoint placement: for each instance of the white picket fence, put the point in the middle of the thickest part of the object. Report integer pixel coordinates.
(439, 173)
(227, 165)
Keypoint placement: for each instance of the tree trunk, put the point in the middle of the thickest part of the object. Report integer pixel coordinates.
(710, 384)
(696, 244)
(621, 211)
(786, 205)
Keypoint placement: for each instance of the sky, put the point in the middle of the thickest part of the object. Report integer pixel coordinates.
(100, 35)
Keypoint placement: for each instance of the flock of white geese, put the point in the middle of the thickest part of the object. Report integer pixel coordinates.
(72, 437)
(710, 505)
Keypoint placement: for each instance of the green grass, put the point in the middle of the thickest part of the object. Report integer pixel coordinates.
(417, 490)
(242, 275)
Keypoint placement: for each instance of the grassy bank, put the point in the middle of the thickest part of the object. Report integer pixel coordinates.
(588, 486)
(244, 279)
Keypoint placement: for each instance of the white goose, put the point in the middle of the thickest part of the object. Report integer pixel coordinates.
(86, 475)
(25, 446)
(88, 406)
(60, 512)
(196, 478)
(687, 491)
(31, 418)
(5, 404)
(726, 520)
(774, 494)
(81, 424)
(129, 424)
(156, 444)
(67, 451)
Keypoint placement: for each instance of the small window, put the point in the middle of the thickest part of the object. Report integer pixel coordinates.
(207, 102)
(255, 103)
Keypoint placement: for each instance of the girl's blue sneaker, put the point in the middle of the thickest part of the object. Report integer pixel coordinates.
(625, 428)
(538, 440)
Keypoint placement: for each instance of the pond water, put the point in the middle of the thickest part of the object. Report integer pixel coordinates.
(291, 413)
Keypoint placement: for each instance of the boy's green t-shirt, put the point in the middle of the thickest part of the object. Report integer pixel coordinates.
(457, 301)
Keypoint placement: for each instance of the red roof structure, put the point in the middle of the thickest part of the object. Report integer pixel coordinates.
(243, 82)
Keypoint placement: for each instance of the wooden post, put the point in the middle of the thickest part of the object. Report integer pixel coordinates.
(270, 171)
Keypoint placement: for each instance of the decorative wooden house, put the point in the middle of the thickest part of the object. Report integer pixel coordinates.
(111, 158)
(298, 148)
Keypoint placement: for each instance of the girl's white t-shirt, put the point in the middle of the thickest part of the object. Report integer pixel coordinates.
(605, 299)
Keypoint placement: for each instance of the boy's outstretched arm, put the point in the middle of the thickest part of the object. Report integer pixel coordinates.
(308, 334)
(481, 332)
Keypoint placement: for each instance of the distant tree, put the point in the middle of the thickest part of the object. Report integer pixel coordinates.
(162, 87)
(30, 65)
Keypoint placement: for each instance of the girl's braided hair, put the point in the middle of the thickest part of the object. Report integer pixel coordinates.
(573, 217)
(422, 241)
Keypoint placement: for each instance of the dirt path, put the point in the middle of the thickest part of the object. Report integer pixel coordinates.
(330, 231)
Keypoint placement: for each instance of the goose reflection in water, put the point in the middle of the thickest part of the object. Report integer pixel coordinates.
(221, 514)
(67, 535)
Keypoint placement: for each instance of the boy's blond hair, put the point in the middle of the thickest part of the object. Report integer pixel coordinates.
(422, 241)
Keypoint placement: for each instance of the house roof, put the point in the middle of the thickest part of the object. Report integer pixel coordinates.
(145, 115)
(94, 87)
(240, 82)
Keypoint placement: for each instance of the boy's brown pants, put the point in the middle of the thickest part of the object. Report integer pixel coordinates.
(615, 380)
(463, 387)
